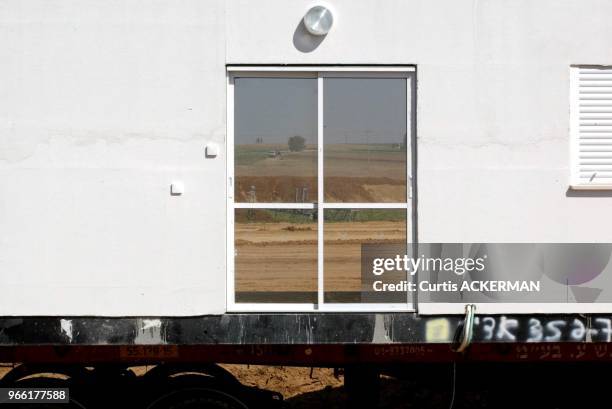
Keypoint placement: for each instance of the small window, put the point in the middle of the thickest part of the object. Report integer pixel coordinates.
(319, 169)
(591, 127)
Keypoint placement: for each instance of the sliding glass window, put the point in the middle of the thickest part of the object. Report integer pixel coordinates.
(319, 174)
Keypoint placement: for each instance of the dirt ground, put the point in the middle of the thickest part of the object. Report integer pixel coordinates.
(301, 387)
(310, 388)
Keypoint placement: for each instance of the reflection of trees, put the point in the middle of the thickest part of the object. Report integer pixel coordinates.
(340, 215)
(297, 143)
(291, 216)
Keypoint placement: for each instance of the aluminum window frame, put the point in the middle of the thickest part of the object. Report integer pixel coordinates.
(320, 73)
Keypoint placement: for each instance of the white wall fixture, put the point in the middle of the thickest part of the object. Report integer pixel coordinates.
(318, 20)
(212, 150)
(177, 188)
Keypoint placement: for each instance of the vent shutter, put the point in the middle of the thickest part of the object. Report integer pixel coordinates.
(591, 127)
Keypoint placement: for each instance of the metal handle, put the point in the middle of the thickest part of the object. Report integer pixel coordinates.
(468, 328)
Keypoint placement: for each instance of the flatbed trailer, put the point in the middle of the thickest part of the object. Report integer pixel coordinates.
(333, 340)
(92, 355)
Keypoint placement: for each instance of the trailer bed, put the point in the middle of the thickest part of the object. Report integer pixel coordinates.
(304, 339)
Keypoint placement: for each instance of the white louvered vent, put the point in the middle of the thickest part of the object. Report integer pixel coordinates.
(591, 127)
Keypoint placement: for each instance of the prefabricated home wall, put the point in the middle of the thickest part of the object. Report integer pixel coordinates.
(103, 105)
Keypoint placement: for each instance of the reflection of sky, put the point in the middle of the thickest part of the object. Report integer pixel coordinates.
(356, 110)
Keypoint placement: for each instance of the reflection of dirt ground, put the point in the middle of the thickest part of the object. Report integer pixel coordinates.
(337, 189)
(283, 256)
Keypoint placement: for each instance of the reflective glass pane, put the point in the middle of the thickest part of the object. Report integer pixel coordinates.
(353, 237)
(275, 139)
(275, 256)
(365, 140)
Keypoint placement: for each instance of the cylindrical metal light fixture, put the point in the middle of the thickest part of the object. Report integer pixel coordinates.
(318, 20)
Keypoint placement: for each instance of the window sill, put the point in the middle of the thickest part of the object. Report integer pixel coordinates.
(590, 187)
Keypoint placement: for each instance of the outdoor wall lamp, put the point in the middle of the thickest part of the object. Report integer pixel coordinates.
(318, 20)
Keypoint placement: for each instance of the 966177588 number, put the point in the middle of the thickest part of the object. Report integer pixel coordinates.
(34, 395)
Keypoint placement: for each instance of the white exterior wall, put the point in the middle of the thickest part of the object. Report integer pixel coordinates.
(104, 104)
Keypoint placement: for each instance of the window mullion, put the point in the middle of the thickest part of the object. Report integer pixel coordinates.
(320, 187)
(409, 184)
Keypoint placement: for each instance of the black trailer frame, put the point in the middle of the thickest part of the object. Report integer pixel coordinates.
(313, 339)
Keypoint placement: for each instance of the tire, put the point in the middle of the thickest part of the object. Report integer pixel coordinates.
(197, 398)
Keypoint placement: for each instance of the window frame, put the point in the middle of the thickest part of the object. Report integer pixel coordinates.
(320, 73)
(575, 181)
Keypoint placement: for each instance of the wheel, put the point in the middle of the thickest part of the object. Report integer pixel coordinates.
(197, 398)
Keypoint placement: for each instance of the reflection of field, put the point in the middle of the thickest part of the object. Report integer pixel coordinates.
(276, 257)
(259, 160)
(369, 161)
(353, 173)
